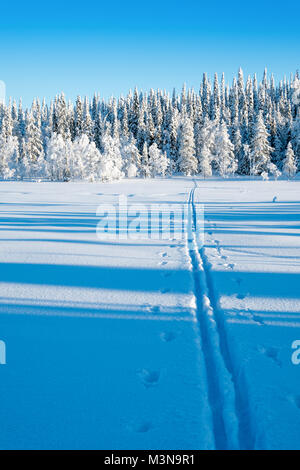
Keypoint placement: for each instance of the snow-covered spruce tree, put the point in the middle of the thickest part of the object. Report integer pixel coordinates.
(173, 133)
(9, 152)
(289, 167)
(260, 158)
(296, 140)
(145, 166)
(158, 118)
(84, 160)
(204, 143)
(61, 123)
(58, 156)
(7, 123)
(89, 157)
(13, 155)
(205, 162)
(87, 123)
(225, 159)
(187, 161)
(33, 147)
(111, 163)
(246, 165)
(98, 131)
(236, 138)
(131, 158)
(78, 118)
(158, 161)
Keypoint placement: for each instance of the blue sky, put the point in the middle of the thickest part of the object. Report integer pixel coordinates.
(111, 46)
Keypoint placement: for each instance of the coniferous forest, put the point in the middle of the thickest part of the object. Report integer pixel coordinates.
(248, 128)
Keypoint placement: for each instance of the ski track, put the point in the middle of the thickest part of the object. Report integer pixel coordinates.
(227, 406)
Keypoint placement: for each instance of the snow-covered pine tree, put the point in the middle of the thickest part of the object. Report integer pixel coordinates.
(33, 147)
(225, 159)
(111, 163)
(58, 157)
(145, 167)
(260, 158)
(131, 158)
(295, 133)
(8, 156)
(236, 139)
(205, 142)
(158, 161)
(78, 118)
(87, 123)
(158, 118)
(289, 167)
(90, 157)
(205, 161)
(187, 161)
(60, 117)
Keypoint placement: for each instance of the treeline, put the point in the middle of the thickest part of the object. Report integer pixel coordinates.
(248, 128)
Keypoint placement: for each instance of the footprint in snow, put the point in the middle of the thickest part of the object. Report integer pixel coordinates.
(152, 308)
(167, 336)
(257, 319)
(271, 353)
(241, 296)
(163, 263)
(165, 290)
(149, 377)
(167, 274)
(295, 399)
(155, 309)
(144, 427)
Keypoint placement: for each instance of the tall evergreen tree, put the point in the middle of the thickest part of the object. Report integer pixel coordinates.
(260, 148)
(187, 162)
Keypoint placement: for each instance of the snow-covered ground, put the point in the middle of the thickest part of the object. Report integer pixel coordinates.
(150, 343)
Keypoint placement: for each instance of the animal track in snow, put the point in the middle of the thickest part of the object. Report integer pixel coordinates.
(149, 377)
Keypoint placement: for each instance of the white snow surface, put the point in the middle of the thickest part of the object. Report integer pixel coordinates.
(150, 344)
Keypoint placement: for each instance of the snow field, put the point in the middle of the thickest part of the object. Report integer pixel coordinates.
(150, 344)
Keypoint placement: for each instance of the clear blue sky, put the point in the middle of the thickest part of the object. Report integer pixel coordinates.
(111, 46)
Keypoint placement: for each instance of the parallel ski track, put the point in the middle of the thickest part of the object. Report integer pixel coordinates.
(222, 387)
